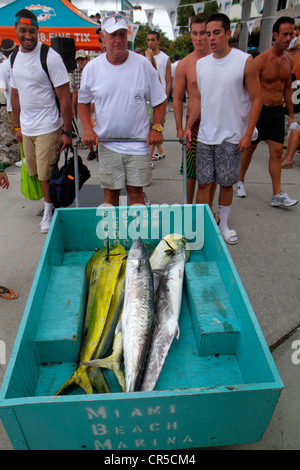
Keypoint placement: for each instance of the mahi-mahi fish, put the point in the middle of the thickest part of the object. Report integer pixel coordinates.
(167, 310)
(103, 271)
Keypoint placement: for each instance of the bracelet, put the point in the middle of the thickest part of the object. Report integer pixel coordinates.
(69, 133)
(17, 128)
(2, 168)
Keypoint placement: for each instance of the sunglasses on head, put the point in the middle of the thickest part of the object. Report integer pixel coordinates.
(110, 14)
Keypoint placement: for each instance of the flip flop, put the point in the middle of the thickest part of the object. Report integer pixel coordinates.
(228, 235)
(8, 294)
(158, 156)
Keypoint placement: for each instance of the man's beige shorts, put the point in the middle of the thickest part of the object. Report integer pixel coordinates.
(41, 153)
(119, 170)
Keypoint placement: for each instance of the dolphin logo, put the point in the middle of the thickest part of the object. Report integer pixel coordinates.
(42, 12)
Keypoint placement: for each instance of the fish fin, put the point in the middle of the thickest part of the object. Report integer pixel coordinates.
(112, 362)
(80, 378)
(97, 379)
(177, 332)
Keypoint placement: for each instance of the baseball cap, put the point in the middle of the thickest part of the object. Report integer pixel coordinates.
(81, 54)
(114, 21)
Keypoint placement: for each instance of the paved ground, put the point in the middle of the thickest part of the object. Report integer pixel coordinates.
(267, 259)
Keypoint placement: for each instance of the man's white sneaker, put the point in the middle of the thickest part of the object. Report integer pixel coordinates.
(19, 163)
(239, 189)
(283, 200)
(45, 224)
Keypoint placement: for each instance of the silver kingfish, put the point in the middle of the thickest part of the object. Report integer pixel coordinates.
(167, 310)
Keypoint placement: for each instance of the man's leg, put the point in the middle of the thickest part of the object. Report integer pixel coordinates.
(111, 196)
(135, 195)
(245, 163)
(275, 149)
(204, 193)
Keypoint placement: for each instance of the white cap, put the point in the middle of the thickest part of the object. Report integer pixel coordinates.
(113, 23)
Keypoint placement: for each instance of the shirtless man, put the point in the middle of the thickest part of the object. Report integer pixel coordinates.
(274, 67)
(186, 80)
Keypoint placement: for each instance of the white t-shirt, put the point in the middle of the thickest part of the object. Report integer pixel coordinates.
(5, 72)
(225, 102)
(39, 112)
(120, 93)
(161, 60)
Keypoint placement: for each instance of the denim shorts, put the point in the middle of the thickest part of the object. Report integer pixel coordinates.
(220, 163)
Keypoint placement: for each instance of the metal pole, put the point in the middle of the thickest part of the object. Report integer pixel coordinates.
(76, 173)
(184, 145)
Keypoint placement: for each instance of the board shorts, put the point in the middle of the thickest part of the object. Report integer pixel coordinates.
(191, 152)
(41, 153)
(271, 124)
(118, 170)
(220, 163)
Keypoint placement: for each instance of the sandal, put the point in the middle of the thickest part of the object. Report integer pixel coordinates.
(230, 237)
(158, 156)
(8, 294)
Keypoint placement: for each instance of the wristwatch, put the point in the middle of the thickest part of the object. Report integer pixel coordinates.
(69, 133)
(158, 127)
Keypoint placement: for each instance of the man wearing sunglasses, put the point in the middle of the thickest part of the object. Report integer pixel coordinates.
(120, 82)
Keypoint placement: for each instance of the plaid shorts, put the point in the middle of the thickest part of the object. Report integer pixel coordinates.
(220, 163)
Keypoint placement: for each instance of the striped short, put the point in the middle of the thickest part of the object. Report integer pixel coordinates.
(220, 163)
(191, 152)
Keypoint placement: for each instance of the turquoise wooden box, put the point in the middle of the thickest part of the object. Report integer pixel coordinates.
(219, 385)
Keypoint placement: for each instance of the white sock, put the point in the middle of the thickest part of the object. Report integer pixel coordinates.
(224, 213)
(48, 209)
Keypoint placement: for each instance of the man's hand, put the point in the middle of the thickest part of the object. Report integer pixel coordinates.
(89, 137)
(65, 141)
(187, 135)
(155, 138)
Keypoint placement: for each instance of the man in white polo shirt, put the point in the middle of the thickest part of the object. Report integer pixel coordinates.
(120, 82)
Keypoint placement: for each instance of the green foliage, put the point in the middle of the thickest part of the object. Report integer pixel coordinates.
(141, 39)
(183, 44)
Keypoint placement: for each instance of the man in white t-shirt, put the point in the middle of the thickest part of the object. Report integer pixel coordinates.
(163, 64)
(120, 82)
(7, 47)
(37, 120)
(228, 102)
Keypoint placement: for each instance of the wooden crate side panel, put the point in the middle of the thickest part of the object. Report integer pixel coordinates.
(23, 368)
(149, 423)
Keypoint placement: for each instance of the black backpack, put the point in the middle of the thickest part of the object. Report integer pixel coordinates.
(43, 57)
(62, 182)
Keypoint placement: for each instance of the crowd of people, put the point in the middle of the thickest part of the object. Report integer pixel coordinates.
(234, 102)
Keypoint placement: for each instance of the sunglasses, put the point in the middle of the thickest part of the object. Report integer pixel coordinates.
(110, 14)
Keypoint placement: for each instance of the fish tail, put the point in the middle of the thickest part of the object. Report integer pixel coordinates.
(97, 379)
(79, 378)
(112, 362)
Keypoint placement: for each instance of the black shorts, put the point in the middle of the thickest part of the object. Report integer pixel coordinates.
(271, 125)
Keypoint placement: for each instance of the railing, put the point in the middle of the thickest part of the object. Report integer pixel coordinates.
(182, 141)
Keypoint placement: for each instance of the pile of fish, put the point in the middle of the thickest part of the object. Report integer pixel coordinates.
(133, 309)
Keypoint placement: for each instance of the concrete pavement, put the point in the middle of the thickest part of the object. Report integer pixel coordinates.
(267, 259)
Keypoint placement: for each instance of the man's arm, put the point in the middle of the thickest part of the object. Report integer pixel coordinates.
(287, 94)
(89, 137)
(168, 78)
(159, 111)
(179, 91)
(253, 86)
(16, 109)
(63, 95)
(194, 115)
